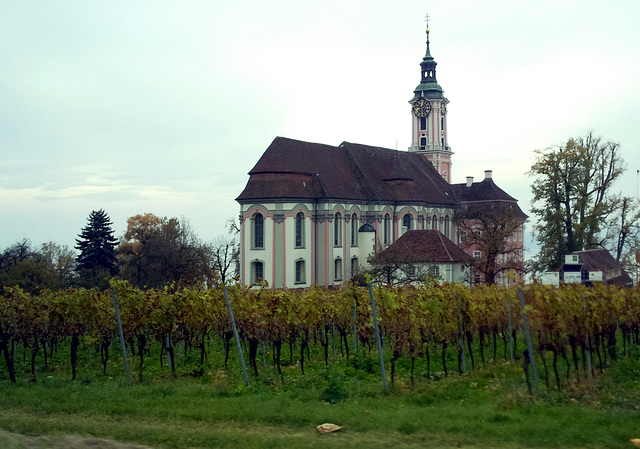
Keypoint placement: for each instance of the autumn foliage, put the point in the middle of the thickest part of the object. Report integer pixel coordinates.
(565, 322)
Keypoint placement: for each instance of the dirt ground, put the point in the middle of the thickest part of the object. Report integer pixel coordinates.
(16, 441)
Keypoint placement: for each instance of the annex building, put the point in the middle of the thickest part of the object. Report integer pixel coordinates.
(313, 213)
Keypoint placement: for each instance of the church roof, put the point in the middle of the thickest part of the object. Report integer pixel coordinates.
(427, 246)
(486, 195)
(296, 170)
(486, 190)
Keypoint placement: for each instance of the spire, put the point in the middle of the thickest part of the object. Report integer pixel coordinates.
(428, 87)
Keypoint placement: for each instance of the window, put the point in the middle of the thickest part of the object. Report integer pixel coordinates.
(354, 266)
(387, 229)
(258, 231)
(434, 222)
(337, 229)
(337, 270)
(300, 272)
(423, 142)
(478, 233)
(423, 123)
(441, 122)
(446, 226)
(406, 221)
(410, 271)
(257, 272)
(354, 230)
(462, 236)
(434, 271)
(477, 254)
(299, 230)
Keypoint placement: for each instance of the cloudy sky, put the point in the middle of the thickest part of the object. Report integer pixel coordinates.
(164, 106)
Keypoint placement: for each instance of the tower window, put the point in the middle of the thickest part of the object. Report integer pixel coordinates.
(423, 123)
(441, 122)
(423, 142)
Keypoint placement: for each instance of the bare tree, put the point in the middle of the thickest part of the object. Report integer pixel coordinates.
(491, 229)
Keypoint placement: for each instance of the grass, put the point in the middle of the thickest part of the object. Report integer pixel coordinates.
(486, 408)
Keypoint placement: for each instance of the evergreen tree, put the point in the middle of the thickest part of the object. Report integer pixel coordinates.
(97, 246)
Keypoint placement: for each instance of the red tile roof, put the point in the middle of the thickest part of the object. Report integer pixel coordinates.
(602, 260)
(423, 246)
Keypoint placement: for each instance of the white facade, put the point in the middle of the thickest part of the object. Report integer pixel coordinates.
(299, 244)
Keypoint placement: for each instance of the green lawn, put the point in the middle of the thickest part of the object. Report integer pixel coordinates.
(486, 408)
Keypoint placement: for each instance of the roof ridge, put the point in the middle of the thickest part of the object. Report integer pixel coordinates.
(444, 245)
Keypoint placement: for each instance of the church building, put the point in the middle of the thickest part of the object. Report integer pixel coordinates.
(313, 213)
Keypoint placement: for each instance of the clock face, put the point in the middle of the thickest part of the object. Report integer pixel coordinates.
(421, 108)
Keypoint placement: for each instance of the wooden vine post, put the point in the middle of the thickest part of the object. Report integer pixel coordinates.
(122, 343)
(587, 341)
(510, 328)
(235, 336)
(530, 352)
(461, 335)
(377, 331)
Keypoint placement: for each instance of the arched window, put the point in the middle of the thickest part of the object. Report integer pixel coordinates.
(258, 231)
(387, 229)
(300, 272)
(337, 271)
(434, 222)
(257, 272)
(407, 221)
(354, 267)
(337, 229)
(299, 230)
(446, 226)
(354, 230)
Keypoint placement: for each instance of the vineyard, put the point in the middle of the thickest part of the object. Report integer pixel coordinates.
(574, 330)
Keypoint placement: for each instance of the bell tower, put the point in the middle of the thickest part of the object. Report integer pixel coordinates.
(429, 117)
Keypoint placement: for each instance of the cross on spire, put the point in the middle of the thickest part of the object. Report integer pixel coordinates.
(426, 19)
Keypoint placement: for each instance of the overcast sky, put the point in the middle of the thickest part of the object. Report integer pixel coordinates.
(164, 106)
